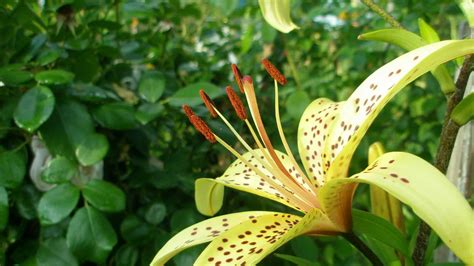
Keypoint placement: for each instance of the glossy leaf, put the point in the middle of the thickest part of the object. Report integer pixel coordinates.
(104, 196)
(54, 251)
(190, 94)
(90, 235)
(151, 87)
(155, 213)
(57, 203)
(12, 168)
(59, 170)
(277, 14)
(295, 260)
(14, 77)
(4, 209)
(379, 229)
(34, 108)
(54, 77)
(148, 112)
(118, 116)
(208, 196)
(92, 149)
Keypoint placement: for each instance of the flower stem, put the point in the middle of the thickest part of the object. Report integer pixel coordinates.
(363, 248)
(446, 144)
(382, 13)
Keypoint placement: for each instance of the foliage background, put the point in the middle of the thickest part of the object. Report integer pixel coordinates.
(116, 74)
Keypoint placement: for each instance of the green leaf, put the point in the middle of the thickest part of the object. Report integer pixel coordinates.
(427, 32)
(380, 229)
(26, 199)
(12, 168)
(247, 38)
(190, 94)
(118, 116)
(155, 213)
(104, 196)
(12, 77)
(90, 235)
(4, 211)
(92, 149)
(54, 252)
(305, 248)
(152, 87)
(54, 77)
(136, 231)
(296, 260)
(34, 108)
(148, 111)
(48, 56)
(91, 93)
(57, 203)
(66, 129)
(59, 170)
(126, 255)
(464, 111)
(297, 103)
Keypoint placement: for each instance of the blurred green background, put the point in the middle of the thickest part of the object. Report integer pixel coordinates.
(106, 81)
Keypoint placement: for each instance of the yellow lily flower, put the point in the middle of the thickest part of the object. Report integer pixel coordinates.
(328, 135)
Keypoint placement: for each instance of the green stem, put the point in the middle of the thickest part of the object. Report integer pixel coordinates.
(382, 13)
(446, 144)
(291, 62)
(363, 248)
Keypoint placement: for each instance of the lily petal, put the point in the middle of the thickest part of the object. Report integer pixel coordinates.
(277, 14)
(370, 97)
(313, 130)
(200, 233)
(252, 240)
(239, 176)
(422, 187)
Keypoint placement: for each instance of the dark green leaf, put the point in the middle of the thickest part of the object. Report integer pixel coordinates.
(148, 111)
(297, 103)
(151, 87)
(3, 208)
(91, 93)
(135, 231)
(59, 170)
(127, 255)
(380, 229)
(155, 213)
(190, 94)
(296, 260)
(90, 235)
(54, 77)
(34, 108)
(57, 203)
(54, 252)
(118, 116)
(304, 247)
(27, 199)
(92, 149)
(12, 168)
(104, 196)
(48, 56)
(14, 77)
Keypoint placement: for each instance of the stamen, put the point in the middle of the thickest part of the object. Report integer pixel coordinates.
(199, 124)
(273, 71)
(208, 102)
(236, 103)
(252, 101)
(187, 110)
(238, 77)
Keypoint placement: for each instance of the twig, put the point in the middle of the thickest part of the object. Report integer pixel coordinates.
(363, 248)
(381, 12)
(445, 148)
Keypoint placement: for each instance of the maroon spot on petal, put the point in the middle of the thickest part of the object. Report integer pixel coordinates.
(226, 253)
(220, 248)
(391, 161)
(404, 180)
(210, 259)
(393, 175)
(225, 240)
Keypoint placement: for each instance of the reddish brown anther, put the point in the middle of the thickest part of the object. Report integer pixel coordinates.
(202, 127)
(273, 71)
(236, 103)
(208, 102)
(187, 110)
(238, 77)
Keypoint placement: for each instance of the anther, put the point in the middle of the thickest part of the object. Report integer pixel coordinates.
(208, 102)
(202, 127)
(238, 77)
(273, 71)
(187, 110)
(236, 103)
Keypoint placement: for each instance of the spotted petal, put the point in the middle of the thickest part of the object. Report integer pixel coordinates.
(252, 240)
(239, 176)
(312, 133)
(200, 233)
(371, 96)
(422, 187)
